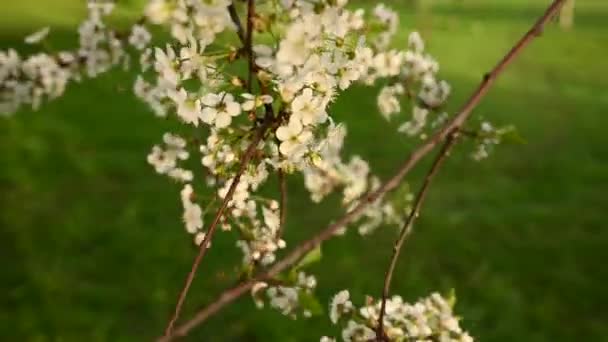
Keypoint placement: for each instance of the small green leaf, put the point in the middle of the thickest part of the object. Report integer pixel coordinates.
(310, 258)
(310, 303)
(246, 272)
(510, 135)
(451, 298)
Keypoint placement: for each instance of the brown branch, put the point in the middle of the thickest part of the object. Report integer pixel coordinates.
(407, 228)
(453, 130)
(234, 16)
(249, 153)
(248, 43)
(283, 203)
(453, 126)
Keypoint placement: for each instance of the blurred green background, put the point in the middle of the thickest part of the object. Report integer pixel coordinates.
(93, 249)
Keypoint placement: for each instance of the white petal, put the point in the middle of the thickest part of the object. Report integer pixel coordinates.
(305, 137)
(211, 100)
(295, 126)
(287, 147)
(248, 106)
(208, 115)
(283, 133)
(233, 108)
(222, 120)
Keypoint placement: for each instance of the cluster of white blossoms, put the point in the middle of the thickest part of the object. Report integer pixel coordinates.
(429, 319)
(287, 298)
(191, 18)
(44, 76)
(487, 137)
(165, 161)
(304, 54)
(411, 73)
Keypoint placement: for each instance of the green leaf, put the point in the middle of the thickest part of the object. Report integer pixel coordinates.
(510, 135)
(309, 302)
(451, 298)
(310, 258)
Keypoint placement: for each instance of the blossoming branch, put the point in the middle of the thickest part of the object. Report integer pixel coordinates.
(256, 81)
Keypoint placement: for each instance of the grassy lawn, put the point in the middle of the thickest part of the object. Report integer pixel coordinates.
(92, 247)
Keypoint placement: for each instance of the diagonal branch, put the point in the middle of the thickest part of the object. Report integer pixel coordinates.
(248, 44)
(442, 136)
(407, 228)
(234, 16)
(249, 153)
(246, 158)
(451, 139)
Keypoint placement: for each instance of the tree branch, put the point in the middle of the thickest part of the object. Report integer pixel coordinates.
(408, 227)
(248, 43)
(441, 136)
(451, 134)
(234, 16)
(249, 153)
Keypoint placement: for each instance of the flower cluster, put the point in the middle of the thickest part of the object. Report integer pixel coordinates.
(191, 18)
(276, 115)
(165, 161)
(41, 76)
(287, 298)
(411, 73)
(488, 136)
(429, 319)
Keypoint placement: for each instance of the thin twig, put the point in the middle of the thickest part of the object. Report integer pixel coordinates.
(244, 162)
(283, 203)
(453, 128)
(248, 43)
(406, 230)
(234, 16)
(454, 125)
(249, 153)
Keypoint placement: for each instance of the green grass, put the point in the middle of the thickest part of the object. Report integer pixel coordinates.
(92, 248)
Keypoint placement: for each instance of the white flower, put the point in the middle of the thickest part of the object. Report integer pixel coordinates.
(327, 339)
(340, 305)
(188, 110)
(254, 101)
(389, 63)
(37, 36)
(165, 160)
(165, 66)
(306, 281)
(193, 215)
(388, 100)
(192, 61)
(219, 109)
(271, 219)
(10, 62)
(293, 138)
(140, 37)
(193, 218)
(294, 48)
(415, 42)
(263, 56)
(309, 108)
(355, 332)
(199, 238)
(255, 290)
(283, 298)
(417, 123)
(158, 11)
(434, 93)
